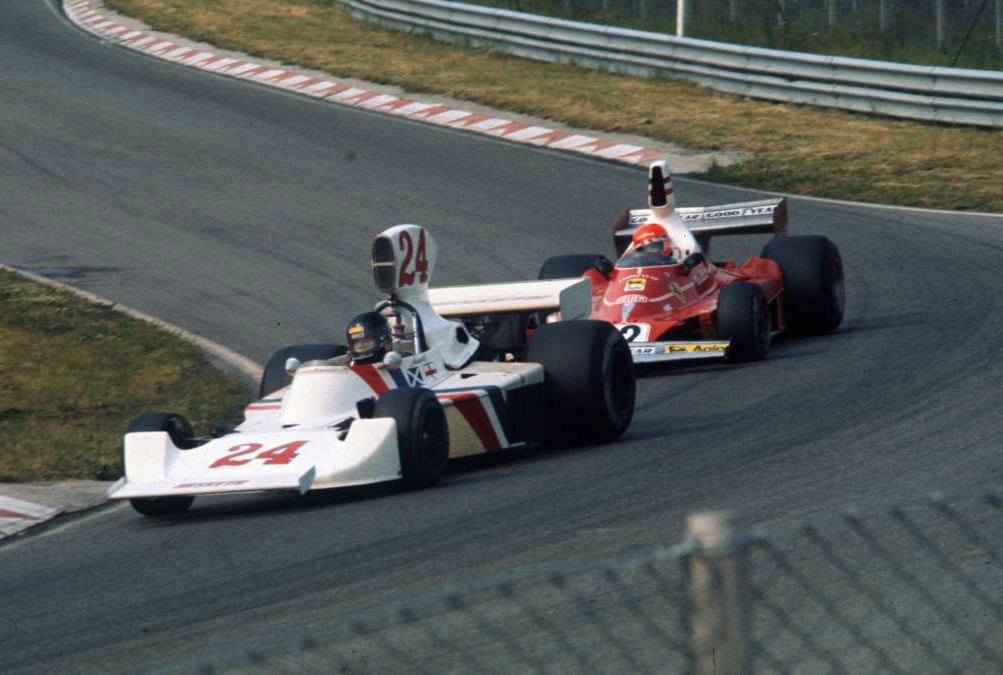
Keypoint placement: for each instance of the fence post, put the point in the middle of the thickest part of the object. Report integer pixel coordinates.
(883, 16)
(681, 18)
(718, 592)
(733, 11)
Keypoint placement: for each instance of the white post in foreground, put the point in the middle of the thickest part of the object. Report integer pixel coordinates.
(680, 18)
(718, 593)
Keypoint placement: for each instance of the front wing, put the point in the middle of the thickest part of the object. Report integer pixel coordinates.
(677, 350)
(288, 460)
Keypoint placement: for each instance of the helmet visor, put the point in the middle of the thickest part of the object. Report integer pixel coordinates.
(363, 345)
(652, 246)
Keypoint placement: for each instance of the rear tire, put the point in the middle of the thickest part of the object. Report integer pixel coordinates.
(422, 434)
(813, 282)
(744, 318)
(568, 266)
(275, 376)
(589, 381)
(182, 436)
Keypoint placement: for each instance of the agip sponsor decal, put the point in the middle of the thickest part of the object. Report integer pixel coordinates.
(695, 347)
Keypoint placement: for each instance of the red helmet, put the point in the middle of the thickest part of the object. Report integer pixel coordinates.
(652, 238)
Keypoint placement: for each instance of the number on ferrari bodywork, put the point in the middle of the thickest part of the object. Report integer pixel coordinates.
(635, 332)
(282, 454)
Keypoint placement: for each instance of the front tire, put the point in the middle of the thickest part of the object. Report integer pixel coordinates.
(275, 376)
(743, 317)
(422, 434)
(589, 381)
(182, 436)
(813, 282)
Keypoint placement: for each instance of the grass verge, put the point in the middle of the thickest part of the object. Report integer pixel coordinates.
(73, 373)
(792, 148)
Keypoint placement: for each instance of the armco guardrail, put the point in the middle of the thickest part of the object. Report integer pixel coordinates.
(952, 95)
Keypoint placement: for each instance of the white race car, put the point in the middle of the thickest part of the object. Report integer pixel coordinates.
(468, 372)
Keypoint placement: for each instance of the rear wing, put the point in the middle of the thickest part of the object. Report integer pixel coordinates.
(759, 217)
(572, 297)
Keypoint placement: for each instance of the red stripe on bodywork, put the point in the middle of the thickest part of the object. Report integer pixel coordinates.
(371, 376)
(472, 409)
(4, 513)
(263, 406)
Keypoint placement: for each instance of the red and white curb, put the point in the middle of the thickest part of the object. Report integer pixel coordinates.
(92, 19)
(16, 515)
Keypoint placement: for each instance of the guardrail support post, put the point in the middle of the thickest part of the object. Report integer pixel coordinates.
(940, 24)
(718, 593)
(681, 18)
(999, 26)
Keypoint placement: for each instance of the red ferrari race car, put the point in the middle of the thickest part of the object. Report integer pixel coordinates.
(672, 303)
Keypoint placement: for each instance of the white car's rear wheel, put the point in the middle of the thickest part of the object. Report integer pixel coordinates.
(589, 381)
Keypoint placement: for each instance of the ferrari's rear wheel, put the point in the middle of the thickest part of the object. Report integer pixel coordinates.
(275, 376)
(568, 266)
(182, 436)
(422, 433)
(813, 282)
(589, 381)
(744, 318)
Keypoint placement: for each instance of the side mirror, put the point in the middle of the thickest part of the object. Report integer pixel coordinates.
(692, 261)
(604, 266)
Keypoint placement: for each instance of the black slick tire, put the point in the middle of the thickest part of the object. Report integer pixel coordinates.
(744, 318)
(275, 376)
(568, 266)
(182, 436)
(422, 434)
(813, 282)
(589, 381)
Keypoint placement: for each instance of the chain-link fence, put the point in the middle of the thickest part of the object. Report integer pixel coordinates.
(962, 33)
(914, 589)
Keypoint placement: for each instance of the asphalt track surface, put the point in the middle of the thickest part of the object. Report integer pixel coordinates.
(245, 215)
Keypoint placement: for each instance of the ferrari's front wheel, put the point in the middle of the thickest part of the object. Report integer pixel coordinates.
(743, 317)
(182, 436)
(589, 381)
(422, 433)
